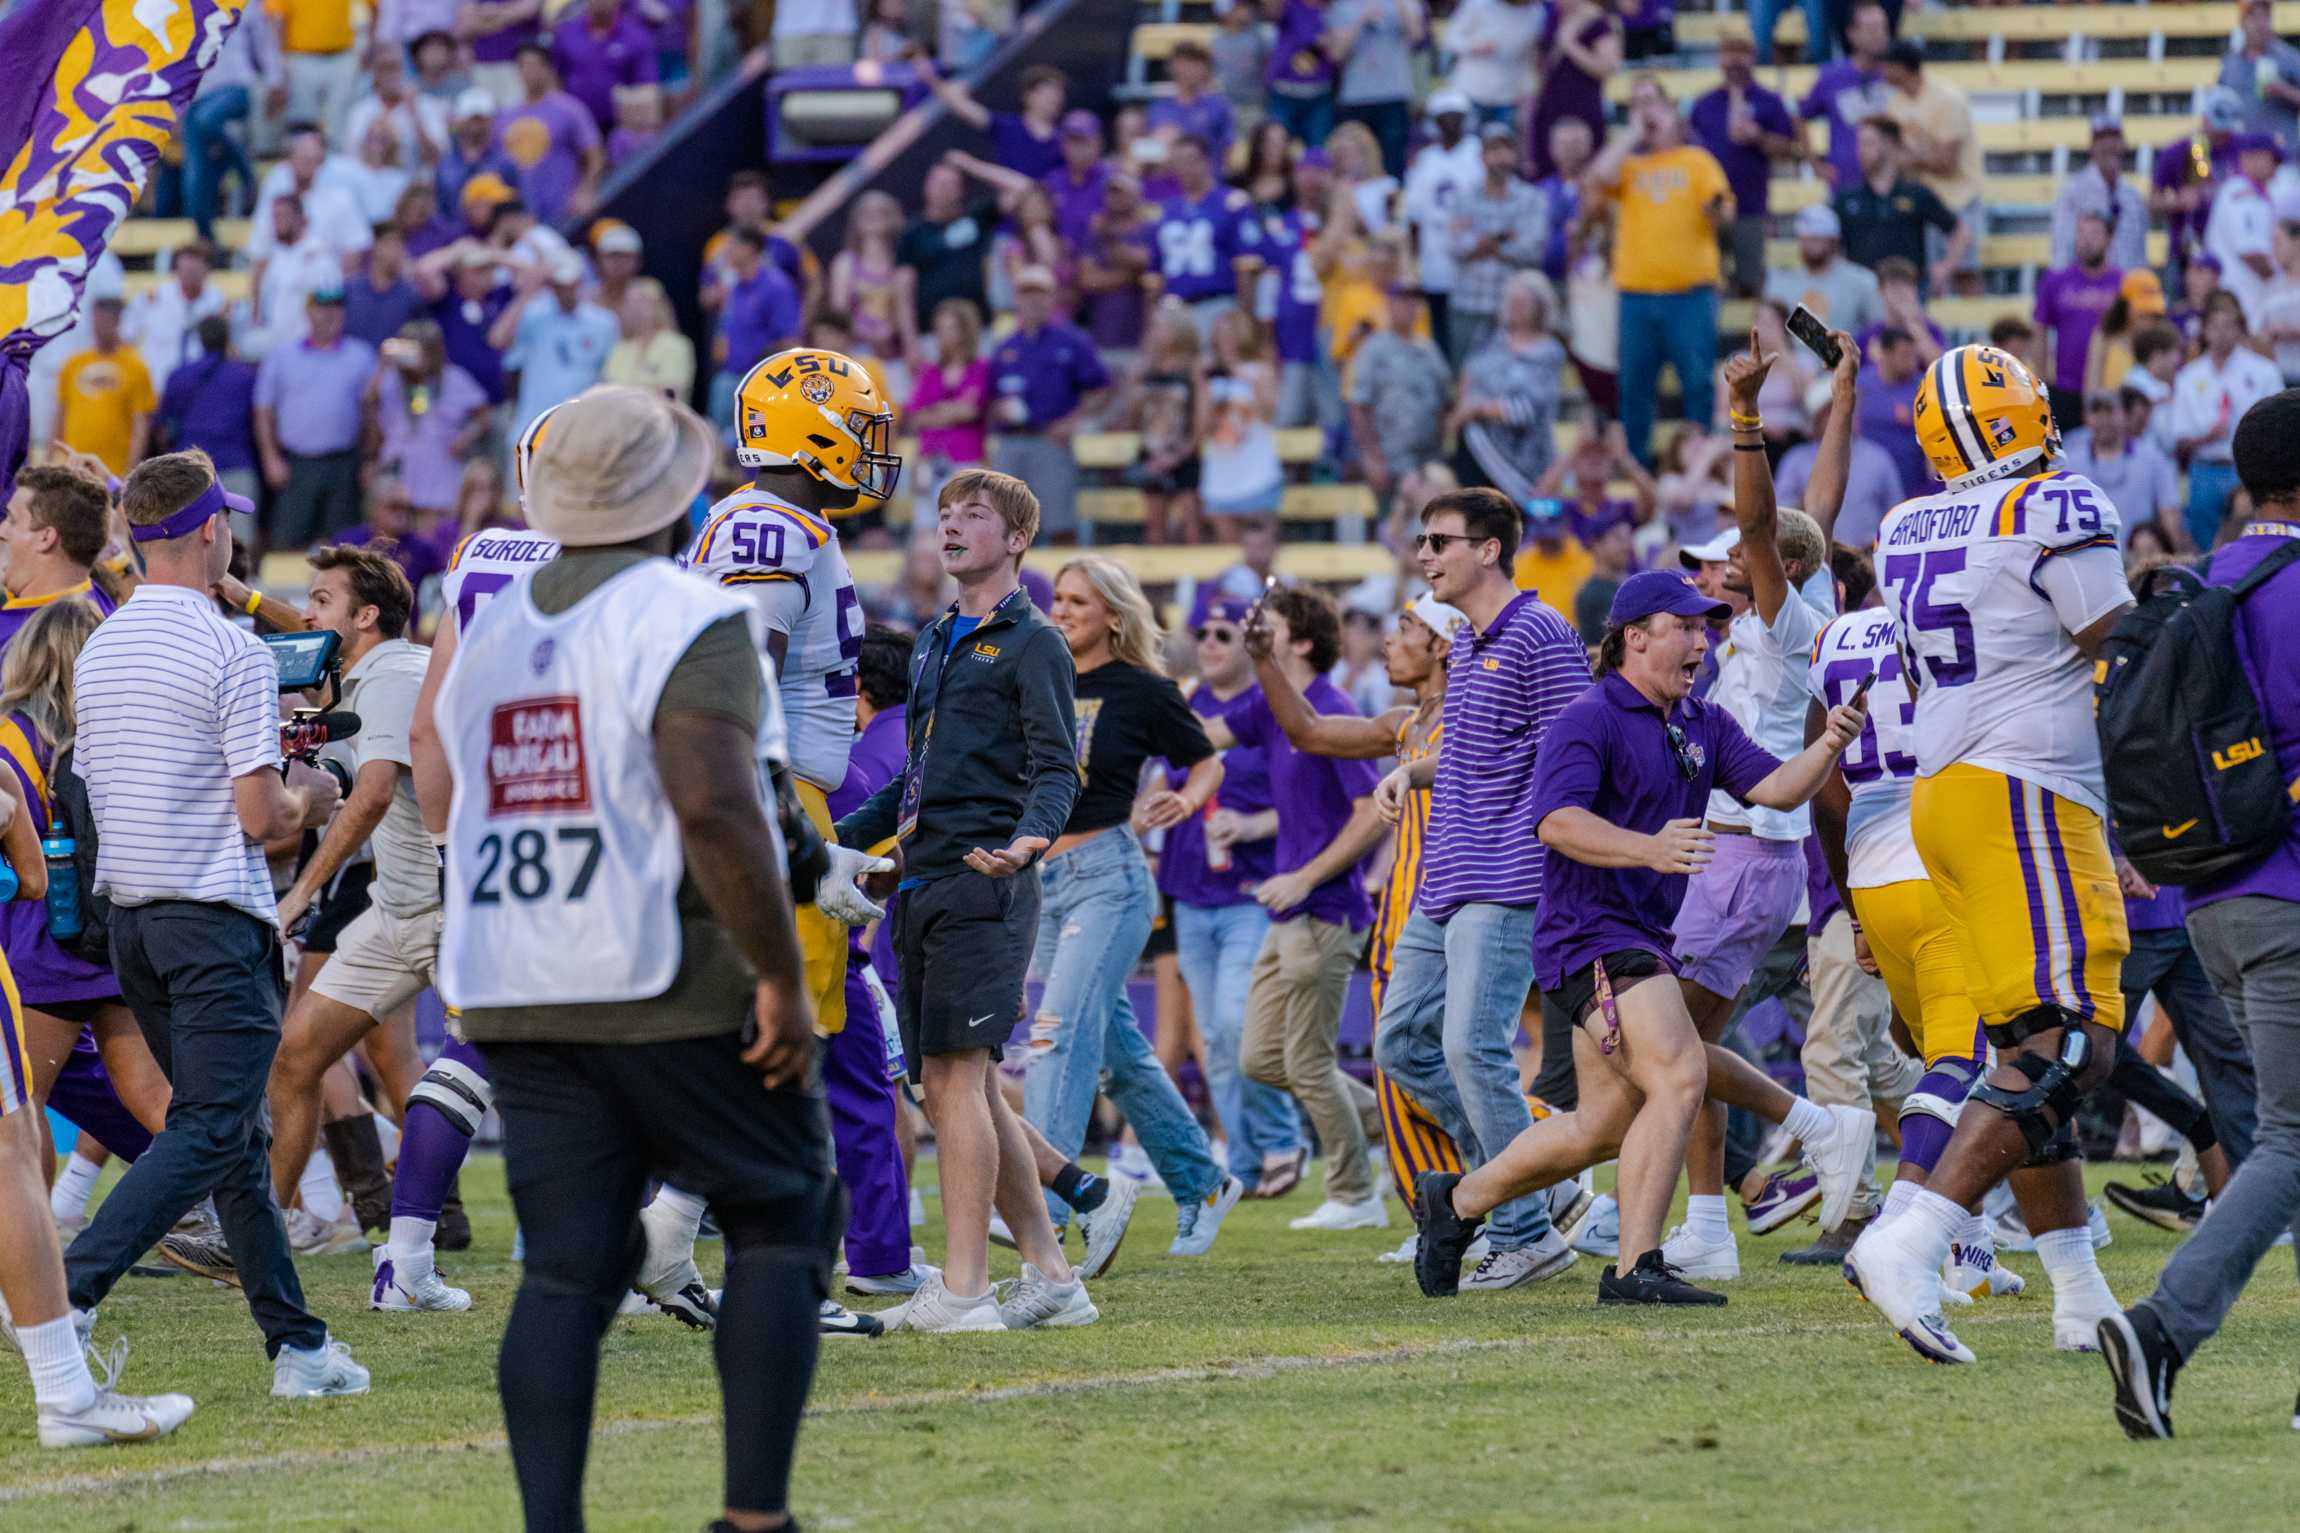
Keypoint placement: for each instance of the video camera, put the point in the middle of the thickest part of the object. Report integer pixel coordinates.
(307, 662)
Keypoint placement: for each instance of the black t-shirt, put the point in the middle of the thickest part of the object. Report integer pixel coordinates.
(1127, 716)
(949, 257)
(1893, 223)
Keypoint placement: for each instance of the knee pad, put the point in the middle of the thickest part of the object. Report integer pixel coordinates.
(2059, 1149)
(2005, 1037)
(2054, 1090)
(457, 1092)
(1941, 1091)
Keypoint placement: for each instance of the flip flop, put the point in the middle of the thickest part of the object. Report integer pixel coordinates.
(1276, 1181)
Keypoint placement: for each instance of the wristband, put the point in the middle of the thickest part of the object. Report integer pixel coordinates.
(255, 600)
(1745, 422)
(1748, 446)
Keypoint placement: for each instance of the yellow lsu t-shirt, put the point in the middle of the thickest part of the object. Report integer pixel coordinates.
(1665, 243)
(313, 26)
(98, 397)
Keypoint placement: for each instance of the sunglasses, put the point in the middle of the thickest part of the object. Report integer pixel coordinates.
(1688, 765)
(1219, 634)
(1439, 542)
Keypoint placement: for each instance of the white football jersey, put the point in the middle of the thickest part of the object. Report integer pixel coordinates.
(2000, 681)
(788, 562)
(487, 561)
(1881, 766)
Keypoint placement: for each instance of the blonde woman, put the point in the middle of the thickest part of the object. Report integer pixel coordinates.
(862, 278)
(653, 353)
(1096, 901)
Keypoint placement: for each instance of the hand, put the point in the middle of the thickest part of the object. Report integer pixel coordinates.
(1846, 721)
(1255, 634)
(1008, 860)
(319, 790)
(1161, 809)
(275, 470)
(2128, 879)
(1681, 846)
(83, 462)
(1282, 892)
(1848, 369)
(1745, 374)
(785, 1047)
(1390, 794)
(1225, 827)
(838, 895)
(1861, 954)
(294, 905)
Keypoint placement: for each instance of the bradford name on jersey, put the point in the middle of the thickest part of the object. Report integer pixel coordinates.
(487, 561)
(788, 561)
(1881, 766)
(1989, 584)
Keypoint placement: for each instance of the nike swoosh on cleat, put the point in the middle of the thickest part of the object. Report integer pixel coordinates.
(151, 1430)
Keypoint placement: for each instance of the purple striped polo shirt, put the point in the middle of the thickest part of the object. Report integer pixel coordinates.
(1503, 686)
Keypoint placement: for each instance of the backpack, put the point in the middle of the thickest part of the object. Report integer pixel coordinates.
(69, 815)
(2194, 788)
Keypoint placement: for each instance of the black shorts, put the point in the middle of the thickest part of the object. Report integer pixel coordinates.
(338, 906)
(962, 950)
(1623, 967)
(82, 1012)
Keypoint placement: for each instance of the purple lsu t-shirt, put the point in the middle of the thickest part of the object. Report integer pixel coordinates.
(45, 973)
(1198, 244)
(547, 140)
(1301, 292)
(2071, 301)
(2268, 645)
(876, 759)
(1843, 94)
(1610, 753)
(1313, 795)
(1019, 149)
(1298, 62)
(1748, 169)
(1183, 875)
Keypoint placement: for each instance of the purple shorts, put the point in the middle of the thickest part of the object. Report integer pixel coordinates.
(1736, 909)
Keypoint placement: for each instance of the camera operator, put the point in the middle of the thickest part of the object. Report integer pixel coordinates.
(178, 743)
(382, 959)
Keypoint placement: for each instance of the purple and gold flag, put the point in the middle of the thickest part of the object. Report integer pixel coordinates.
(91, 90)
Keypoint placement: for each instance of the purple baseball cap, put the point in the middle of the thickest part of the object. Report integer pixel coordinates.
(1651, 591)
(1315, 159)
(1080, 123)
(1213, 605)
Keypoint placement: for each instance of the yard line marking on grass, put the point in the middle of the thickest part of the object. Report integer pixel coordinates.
(1245, 1371)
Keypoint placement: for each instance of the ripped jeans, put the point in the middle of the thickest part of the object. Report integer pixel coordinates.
(1095, 909)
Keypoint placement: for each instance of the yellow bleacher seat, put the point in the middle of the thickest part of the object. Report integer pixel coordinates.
(232, 284)
(1998, 251)
(1956, 315)
(1327, 563)
(1795, 194)
(1325, 502)
(1300, 444)
(142, 238)
(1111, 508)
(1106, 449)
(2049, 76)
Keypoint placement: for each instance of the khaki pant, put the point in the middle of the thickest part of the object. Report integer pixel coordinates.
(1849, 1057)
(1293, 1017)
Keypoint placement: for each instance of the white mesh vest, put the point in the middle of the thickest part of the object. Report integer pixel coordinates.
(563, 857)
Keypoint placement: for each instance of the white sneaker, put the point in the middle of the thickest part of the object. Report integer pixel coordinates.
(1196, 1224)
(1975, 1272)
(936, 1308)
(424, 1291)
(1372, 1214)
(1104, 1230)
(1600, 1232)
(836, 1320)
(1905, 1288)
(1034, 1300)
(668, 1277)
(1132, 1163)
(1838, 1160)
(1546, 1258)
(325, 1371)
(906, 1282)
(1404, 1254)
(2096, 1222)
(1000, 1235)
(917, 1208)
(310, 1235)
(1715, 1261)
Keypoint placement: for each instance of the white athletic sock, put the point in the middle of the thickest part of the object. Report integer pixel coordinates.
(322, 1199)
(69, 1200)
(410, 1247)
(387, 1132)
(1976, 1235)
(687, 1206)
(1808, 1121)
(2075, 1272)
(59, 1364)
(1897, 1200)
(1931, 1223)
(1705, 1217)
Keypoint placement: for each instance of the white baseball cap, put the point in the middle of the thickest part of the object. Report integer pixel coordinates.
(1448, 103)
(1439, 617)
(1718, 547)
(474, 102)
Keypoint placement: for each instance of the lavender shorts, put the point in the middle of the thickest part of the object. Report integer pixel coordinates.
(1736, 909)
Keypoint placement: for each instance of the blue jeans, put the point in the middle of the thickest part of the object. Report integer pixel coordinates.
(1820, 36)
(1392, 125)
(1307, 118)
(1448, 1019)
(204, 123)
(1681, 329)
(1094, 914)
(1216, 949)
(2164, 964)
(2209, 486)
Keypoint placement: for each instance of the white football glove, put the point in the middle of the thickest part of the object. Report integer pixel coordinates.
(839, 896)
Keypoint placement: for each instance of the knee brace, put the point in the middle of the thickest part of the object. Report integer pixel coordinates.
(2054, 1090)
(2060, 1148)
(1941, 1091)
(457, 1092)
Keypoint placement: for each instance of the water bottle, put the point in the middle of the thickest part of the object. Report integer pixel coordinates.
(1217, 857)
(64, 918)
(9, 882)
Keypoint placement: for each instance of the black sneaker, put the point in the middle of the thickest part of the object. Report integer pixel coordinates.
(454, 1232)
(1651, 1281)
(1445, 1235)
(2143, 1361)
(205, 1256)
(1830, 1249)
(2161, 1203)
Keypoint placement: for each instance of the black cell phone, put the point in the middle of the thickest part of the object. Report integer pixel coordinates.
(1861, 692)
(1806, 326)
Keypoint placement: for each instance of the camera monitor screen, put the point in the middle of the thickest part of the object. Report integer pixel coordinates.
(302, 657)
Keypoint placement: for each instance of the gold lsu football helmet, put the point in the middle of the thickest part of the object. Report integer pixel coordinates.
(530, 440)
(819, 412)
(1982, 415)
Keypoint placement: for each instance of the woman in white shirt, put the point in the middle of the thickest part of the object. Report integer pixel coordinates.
(652, 354)
(2209, 396)
(1493, 43)
(1237, 427)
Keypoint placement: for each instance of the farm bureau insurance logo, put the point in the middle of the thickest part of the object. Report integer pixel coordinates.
(535, 757)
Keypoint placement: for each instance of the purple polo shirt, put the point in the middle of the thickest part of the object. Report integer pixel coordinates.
(1019, 149)
(210, 404)
(1747, 169)
(2071, 302)
(1313, 795)
(1077, 202)
(758, 313)
(45, 973)
(313, 393)
(546, 141)
(2167, 912)
(1504, 689)
(420, 428)
(1564, 199)
(1182, 872)
(1298, 62)
(1049, 371)
(1841, 96)
(2268, 644)
(1198, 242)
(1208, 118)
(502, 45)
(463, 327)
(592, 64)
(876, 758)
(1301, 292)
(375, 314)
(1609, 753)
(1886, 415)
(1115, 318)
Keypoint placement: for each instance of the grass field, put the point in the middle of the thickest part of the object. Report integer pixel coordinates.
(1286, 1382)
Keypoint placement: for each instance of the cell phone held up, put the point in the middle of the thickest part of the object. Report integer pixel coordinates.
(1806, 326)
